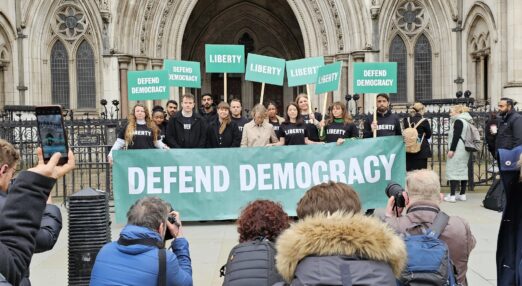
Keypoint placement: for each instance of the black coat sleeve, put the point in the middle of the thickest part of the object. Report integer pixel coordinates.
(517, 131)
(353, 132)
(50, 228)
(426, 129)
(203, 134)
(367, 133)
(170, 137)
(398, 129)
(457, 132)
(19, 223)
(236, 135)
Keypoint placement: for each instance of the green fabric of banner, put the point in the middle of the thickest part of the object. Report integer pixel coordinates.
(212, 184)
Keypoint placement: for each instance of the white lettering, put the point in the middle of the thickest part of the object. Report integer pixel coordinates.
(184, 178)
(354, 172)
(151, 180)
(224, 184)
(388, 165)
(303, 175)
(368, 169)
(168, 180)
(135, 189)
(243, 170)
(262, 177)
(284, 177)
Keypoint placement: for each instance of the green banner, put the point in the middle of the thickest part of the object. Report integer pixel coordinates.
(225, 58)
(375, 77)
(148, 85)
(303, 71)
(265, 69)
(204, 184)
(328, 78)
(183, 73)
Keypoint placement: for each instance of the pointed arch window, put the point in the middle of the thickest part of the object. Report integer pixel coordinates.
(86, 84)
(398, 54)
(423, 69)
(60, 75)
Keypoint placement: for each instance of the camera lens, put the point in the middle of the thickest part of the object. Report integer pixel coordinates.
(395, 190)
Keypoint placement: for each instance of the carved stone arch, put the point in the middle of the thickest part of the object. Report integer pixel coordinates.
(7, 37)
(271, 52)
(480, 11)
(355, 29)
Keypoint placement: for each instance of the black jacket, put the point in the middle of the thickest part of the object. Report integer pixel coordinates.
(20, 220)
(230, 138)
(509, 134)
(209, 117)
(423, 128)
(197, 135)
(388, 124)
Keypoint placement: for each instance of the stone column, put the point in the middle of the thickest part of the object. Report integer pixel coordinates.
(513, 87)
(2, 86)
(141, 64)
(480, 90)
(247, 93)
(358, 57)
(157, 64)
(345, 77)
(124, 62)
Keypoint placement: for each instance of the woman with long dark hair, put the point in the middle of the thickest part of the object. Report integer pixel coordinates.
(339, 125)
(273, 118)
(293, 131)
(139, 133)
(223, 132)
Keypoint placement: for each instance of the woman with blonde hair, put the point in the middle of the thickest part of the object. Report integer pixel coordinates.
(339, 125)
(258, 132)
(418, 160)
(311, 119)
(457, 157)
(139, 133)
(223, 132)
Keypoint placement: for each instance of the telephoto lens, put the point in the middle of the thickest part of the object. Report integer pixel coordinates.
(395, 190)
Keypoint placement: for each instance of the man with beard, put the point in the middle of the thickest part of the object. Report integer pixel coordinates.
(235, 110)
(172, 108)
(509, 243)
(207, 110)
(387, 124)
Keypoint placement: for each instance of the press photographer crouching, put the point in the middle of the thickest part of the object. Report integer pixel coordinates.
(422, 200)
(139, 256)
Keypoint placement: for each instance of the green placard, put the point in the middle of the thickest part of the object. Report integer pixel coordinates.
(203, 184)
(328, 78)
(375, 77)
(183, 73)
(265, 69)
(303, 71)
(225, 58)
(148, 85)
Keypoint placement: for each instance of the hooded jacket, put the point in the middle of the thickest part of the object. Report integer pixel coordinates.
(388, 124)
(197, 137)
(509, 134)
(138, 264)
(208, 116)
(319, 250)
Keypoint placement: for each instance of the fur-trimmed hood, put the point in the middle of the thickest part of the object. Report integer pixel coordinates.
(339, 234)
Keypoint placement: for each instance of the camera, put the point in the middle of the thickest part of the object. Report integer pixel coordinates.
(395, 190)
(173, 220)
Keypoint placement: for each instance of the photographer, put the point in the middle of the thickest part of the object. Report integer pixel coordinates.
(422, 202)
(21, 216)
(133, 259)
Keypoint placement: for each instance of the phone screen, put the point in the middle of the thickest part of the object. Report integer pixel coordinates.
(52, 134)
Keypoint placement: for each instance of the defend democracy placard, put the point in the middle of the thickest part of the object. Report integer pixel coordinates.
(183, 73)
(303, 71)
(265, 69)
(328, 78)
(225, 58)
(204, 184)
(147, 85)
(375, 77)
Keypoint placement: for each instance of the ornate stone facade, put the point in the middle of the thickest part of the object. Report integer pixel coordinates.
(474, 45)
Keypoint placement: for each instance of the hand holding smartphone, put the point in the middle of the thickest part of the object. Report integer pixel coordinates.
(51, 132)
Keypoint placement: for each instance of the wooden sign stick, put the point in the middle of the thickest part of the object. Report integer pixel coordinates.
(225, 87)
(375, 115)
(262, 93)
(310, 110)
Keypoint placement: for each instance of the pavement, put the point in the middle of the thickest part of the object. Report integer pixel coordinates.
(211, 242)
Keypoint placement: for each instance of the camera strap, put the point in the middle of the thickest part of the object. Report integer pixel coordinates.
(162, 255)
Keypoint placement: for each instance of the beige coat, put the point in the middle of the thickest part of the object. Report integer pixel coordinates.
(258, 135)
(457, 233)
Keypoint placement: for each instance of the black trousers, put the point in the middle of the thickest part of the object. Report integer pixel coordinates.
(509, 243)
(416, 164)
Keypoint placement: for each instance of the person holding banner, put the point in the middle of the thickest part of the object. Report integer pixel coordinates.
(187, 129)
(236, 111)
(339, 125)
(258, 132)
(293, 131)
(273, 118)
(139, 133)
(311, 119)
(388, 123)
(207, 110)
(223, 132)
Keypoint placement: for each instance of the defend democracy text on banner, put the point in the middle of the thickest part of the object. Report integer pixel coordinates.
(205, 184)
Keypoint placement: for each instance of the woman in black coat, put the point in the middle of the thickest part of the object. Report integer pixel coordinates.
(223, 132)
(419, 160)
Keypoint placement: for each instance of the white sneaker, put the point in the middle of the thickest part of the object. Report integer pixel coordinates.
(450, 199)
(461, 197)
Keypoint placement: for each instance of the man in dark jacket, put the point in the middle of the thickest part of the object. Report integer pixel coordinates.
(134, 259)
(509, 243)
(207, 110)
(186, 129)
(236, 112)
(388, 123)
(21, 217)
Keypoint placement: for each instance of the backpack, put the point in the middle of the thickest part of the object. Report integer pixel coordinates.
(251, 263)
(472, 141)
(428, 257)
(495, 199)
(411, 137)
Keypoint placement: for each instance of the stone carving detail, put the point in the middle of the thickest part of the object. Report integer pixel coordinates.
(161, 31)
(69, 22)
(319, 17)
(144, 31)
(411, 17)
(337, 23)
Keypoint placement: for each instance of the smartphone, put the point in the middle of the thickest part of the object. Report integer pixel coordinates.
(51, 132)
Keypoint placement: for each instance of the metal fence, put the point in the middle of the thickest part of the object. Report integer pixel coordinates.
(91, 139)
